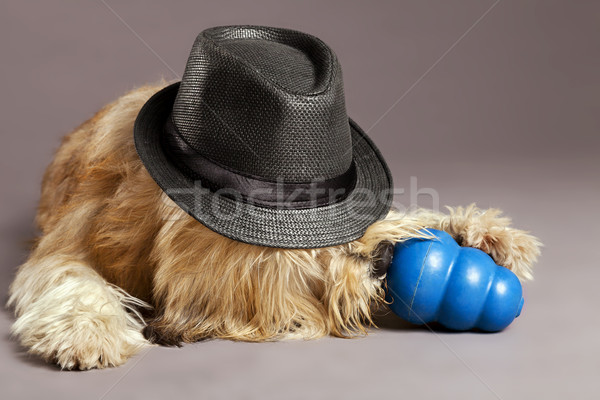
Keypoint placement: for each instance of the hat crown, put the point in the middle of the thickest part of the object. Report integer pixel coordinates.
(265, 102)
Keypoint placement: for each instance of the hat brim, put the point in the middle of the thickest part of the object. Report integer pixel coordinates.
(323, 226)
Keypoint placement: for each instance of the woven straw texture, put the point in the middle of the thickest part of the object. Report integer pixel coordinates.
(267, 103)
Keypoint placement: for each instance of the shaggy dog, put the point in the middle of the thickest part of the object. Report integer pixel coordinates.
(119, 266)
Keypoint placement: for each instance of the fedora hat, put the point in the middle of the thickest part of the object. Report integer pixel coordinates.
(255, 142)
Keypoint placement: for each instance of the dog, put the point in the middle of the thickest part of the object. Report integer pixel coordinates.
(119, 265)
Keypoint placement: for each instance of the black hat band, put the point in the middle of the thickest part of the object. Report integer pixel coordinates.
(254, 190)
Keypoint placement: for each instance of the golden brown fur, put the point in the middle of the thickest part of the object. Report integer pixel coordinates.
(112, 241)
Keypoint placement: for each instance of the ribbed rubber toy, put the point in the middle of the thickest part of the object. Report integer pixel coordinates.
(459, 287)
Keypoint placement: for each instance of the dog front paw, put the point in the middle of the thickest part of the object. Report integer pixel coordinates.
(76, 341)
(77, 320)
(91, 346)
(486, 230)
(512, 248)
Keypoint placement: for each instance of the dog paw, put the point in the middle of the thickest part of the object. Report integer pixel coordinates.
(91, 344)
(486, 230)
(511, 248)
(78, 341)
(78, 321)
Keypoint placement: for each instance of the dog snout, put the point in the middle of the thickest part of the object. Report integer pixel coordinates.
(382, 259)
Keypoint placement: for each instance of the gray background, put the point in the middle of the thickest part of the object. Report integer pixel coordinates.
(494, 103)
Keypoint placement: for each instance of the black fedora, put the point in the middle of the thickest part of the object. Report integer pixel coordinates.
(255, 142)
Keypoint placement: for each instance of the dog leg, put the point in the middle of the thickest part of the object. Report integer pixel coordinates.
(487, 230)
(68, 314)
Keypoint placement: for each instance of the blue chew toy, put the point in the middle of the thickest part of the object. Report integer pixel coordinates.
(459, 287)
